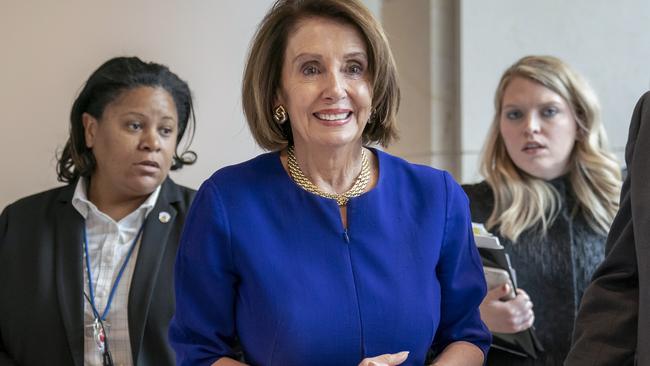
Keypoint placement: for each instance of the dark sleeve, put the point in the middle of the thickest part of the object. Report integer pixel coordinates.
(203, 328)
(481, 201)
(460, 273)
(606, 326)
(5, 359)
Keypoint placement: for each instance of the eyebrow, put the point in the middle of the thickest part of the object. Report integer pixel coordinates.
(142, 115)
(356, 55)
(554, 103)
(319, 57)
(133, 113)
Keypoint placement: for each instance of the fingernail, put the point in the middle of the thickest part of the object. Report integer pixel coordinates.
(403, 354)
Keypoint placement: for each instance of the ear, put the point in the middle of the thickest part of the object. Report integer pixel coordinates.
(90, 129)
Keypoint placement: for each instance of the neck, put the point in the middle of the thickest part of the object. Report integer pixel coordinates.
(111, 202)
(333, 170)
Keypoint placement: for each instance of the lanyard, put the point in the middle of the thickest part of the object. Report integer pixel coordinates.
(117, 280)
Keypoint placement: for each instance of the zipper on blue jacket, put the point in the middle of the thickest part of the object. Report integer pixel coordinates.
(346, 237)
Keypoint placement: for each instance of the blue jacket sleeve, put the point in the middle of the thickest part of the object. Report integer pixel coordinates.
(461, 278)
(203, 328)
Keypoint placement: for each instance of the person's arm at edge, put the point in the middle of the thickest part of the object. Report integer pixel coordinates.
(202, 329)
(461, 333)
(5, 359)
(610, 303)
(459, 353)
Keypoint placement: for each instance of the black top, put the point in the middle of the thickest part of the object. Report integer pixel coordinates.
(553, 269)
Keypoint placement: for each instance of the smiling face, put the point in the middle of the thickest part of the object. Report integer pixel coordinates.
(325, 83)
(538, 128)
(134, 141)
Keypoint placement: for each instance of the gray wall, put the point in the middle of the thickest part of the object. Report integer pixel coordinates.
(451, 54)
(608, 42)
(424, 40)
(49, 48)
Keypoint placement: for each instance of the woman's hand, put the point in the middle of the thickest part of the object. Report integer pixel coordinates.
(510, 316)
(225, 361)
(387, 359)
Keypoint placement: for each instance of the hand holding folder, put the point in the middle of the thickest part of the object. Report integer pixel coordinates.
(498, 270)
(496, 277)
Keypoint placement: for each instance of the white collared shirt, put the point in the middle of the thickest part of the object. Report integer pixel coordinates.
(108, 245)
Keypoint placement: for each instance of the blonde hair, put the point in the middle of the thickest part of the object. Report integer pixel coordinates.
(522, 201)
(262, 74)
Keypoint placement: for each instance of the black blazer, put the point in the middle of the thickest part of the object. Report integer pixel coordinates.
(613, 324)
(41, 280)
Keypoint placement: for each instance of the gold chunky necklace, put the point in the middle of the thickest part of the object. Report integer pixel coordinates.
(342, 199)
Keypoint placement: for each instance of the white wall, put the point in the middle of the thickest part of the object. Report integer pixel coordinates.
(423, 36)
(49, 48)
(374, 6)
(607, 42)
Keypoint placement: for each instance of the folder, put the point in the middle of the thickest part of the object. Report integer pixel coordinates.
(493, 254)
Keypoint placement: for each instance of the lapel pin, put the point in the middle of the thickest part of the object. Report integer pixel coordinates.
(164, 217)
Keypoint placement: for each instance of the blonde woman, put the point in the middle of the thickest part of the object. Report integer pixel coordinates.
(550, 193)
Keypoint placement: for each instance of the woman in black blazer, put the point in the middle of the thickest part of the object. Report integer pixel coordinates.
(86, 269)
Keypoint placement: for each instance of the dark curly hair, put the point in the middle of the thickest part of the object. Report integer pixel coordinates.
(111, 79)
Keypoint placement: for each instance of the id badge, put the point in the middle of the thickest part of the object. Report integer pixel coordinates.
(98, 333)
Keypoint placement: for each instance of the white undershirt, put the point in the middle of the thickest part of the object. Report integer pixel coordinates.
(108, 246)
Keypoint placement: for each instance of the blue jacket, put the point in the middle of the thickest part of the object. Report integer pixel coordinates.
(268, 265)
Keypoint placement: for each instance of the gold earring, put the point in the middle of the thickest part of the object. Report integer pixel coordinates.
(279, 114)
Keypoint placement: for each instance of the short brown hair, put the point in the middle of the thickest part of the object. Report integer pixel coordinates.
(263, 71)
